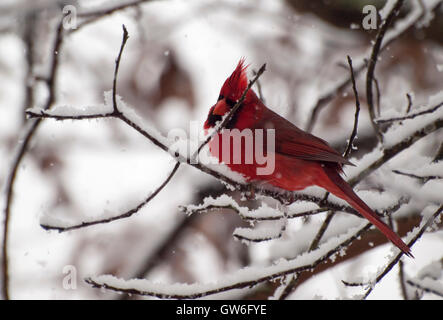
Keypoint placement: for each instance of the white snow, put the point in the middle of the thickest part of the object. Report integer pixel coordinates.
(242, 275)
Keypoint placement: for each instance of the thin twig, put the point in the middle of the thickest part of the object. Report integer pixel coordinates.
(328, 96)
(127, 214)
(424, 179)
(357, 111)
(392, 151)
(29, 41)
(400, 254)
(104, 12)
(258, 239)
(290, 282)
(22, 149)
(322, 230)
(401, 279)
(92, 16)
(231, 113)
(44, 114)
(424, 288)
(409, 98)
(411, 116)
(373, 61)
(377, 94)
(401, 270)
(117, 65)
(259, 89)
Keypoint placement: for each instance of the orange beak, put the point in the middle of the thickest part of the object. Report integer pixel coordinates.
(220, 108)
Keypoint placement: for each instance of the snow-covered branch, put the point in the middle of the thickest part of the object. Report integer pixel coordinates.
(413, 236)
(401, 27)
(243, 278)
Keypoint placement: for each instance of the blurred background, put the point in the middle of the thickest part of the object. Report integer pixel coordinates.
(176, 59)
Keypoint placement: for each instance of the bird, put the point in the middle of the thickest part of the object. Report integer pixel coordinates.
(300, 158)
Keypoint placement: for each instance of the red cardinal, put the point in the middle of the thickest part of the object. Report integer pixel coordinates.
(301, 159)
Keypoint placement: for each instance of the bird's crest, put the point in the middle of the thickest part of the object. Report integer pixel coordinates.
(236, 84)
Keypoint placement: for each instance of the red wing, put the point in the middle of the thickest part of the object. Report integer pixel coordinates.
(292, 141)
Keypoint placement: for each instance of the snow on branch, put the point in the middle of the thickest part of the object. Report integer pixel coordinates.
(428, 279)
(402, 26)
(411, 239)
(382, 203)
(50, 81)
(243, 278)
(49, 224)
(411, 116)
(373, 61)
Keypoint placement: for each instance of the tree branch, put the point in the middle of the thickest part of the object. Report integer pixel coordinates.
(326, 97)
(127, 214)
(424, 287)
(117, 65)
(424, 179)
(22, 148)
(411, 116)
(357, 111)
(238, 284)
(373, 61)
(397, 257)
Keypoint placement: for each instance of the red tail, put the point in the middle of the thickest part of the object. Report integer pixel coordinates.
(342, 189)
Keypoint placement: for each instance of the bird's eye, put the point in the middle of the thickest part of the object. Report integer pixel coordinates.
(230, 102)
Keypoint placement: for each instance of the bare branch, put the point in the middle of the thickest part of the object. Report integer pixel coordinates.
(401, 279)
(424, 179)
(322, 230)
(373, 61)
(411, 116)
(258, 85)
(357, 111)
(22, 148)
(44, 114)
(324, 99)
(127, 214)
(409, 98)
(95, 15)
(117, 65)
(424, 287)
(391, 152)
(400, 254)
(255, 239)
(107, 11)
